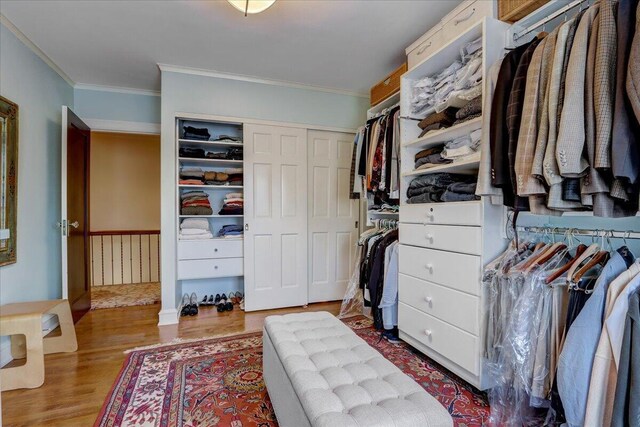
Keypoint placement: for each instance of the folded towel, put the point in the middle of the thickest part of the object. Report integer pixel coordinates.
(196, 210)
(190, 182)
(188, 194)
(233, 195)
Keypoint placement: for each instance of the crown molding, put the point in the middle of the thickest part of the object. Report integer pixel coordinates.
(116, 89)
(35, 49)
(254, 79)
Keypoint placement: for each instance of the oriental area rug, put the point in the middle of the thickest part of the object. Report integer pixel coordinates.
(218, 382)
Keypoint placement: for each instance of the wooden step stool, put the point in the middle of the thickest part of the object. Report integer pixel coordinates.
(23, 322)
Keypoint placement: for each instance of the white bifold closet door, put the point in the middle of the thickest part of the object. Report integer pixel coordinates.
(333, 216)
(275, 193)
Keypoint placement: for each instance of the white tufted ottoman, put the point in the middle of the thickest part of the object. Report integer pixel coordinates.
(320, 373)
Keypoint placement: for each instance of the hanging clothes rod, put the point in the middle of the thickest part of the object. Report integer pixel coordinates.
(551, 17)
(384, 111)
(617, 234)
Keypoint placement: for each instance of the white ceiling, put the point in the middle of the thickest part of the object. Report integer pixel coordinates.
(346, 45)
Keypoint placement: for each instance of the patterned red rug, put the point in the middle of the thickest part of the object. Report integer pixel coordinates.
(218, 382)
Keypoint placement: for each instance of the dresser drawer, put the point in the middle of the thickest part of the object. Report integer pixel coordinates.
(456, 308)
(457, 271)
(458, 213)
(210, 268)
(206, 249)
(453, 238)
(431, 43)
(452, 343)
(455, 24)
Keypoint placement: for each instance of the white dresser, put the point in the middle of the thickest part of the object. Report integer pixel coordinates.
(445, 246)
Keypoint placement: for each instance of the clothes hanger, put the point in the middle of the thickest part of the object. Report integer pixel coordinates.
(599, 258)
(579, 251)
(588, 253)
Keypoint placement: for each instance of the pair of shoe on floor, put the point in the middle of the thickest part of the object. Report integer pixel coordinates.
(189, 305)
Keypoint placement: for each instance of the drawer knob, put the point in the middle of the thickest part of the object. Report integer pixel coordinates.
(215, 267)
(429, 267)
(215, 249)
(429, 237)
(429, 300)
(427, 332)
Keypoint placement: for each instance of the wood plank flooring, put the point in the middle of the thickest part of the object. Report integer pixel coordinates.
(76, 384)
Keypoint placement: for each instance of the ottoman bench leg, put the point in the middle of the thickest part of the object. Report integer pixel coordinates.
(66, 342)
(31, 374)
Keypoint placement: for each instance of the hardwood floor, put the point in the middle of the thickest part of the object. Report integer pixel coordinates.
(76, 384)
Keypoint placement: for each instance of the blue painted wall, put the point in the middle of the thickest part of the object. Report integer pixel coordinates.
(40, 94)
(117, 106)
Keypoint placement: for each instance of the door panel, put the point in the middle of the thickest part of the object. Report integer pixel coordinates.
(332, 215)
(76, 138)
(275, 162)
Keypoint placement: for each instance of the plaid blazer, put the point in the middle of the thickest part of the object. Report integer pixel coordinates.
(514, 118)
(500, 126)
(571, 133)
(604, 84)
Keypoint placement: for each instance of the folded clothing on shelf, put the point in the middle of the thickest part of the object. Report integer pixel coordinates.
(439, 120)
(223, 178)
(231, 230)
(194, 224)
(194, 235)
(453, 86)
(470, 110)
(191, 152)
(233, 204)
(463, 147)
(200, 134)
(442, 187)
(227, 138)
(230, 154)
(190, 172)
(195, 203)
(190, 182)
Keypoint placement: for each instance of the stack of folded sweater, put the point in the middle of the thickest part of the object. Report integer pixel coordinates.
(195, 203)
(470, 110)
(230, 231)
(227, 138)
(436, 121)
(228, 177)
(230, 154)
(191, 152)
(200, 134)
(191, 176)
(194, 229)
(463, 148)
(233, 204)
(442, 187)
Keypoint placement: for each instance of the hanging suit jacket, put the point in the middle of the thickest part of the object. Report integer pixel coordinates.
(571, 135)
(498, 128)
(625, 139)
(633, 71)
(604, 84)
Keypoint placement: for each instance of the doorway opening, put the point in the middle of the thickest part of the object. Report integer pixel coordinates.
(124, 212)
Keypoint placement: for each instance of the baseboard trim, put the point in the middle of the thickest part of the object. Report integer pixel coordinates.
(168, 317)
(49, 323)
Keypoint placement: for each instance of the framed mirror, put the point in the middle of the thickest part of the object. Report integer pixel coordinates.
(8, 180)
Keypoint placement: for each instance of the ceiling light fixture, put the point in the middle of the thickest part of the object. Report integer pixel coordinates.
(251, 6)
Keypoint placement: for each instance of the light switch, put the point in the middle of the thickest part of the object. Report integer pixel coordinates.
(4, 234)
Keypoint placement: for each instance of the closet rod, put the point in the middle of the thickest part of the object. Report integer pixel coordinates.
(551, 17)
(617, 234)
(385, 111)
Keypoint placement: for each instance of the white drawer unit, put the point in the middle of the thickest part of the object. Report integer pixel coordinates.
(454, 344)
(206, 249)
(210, 268)
(465, 16)
(464, 239)
(458, 213)
(424, 47)
(456, 308)
(450, 269)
